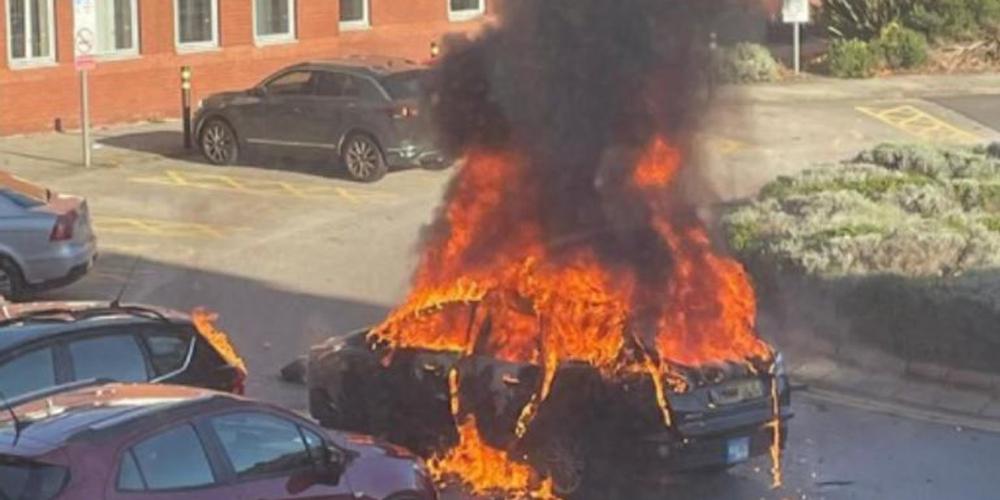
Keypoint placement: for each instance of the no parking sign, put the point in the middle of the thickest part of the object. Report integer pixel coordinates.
(84, 34)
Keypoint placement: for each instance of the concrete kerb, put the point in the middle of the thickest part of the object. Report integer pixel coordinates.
(879, 381)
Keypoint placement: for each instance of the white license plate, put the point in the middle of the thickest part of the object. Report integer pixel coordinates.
(738, 450)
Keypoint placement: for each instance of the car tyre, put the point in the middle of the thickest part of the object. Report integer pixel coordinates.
(219, 143)
(363, 159)
(12, 284)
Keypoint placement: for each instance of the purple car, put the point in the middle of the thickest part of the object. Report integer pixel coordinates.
(151, 441)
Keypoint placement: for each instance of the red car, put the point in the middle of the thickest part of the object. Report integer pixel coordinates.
(117, 441)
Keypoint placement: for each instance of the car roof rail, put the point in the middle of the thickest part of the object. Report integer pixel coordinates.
(58, 389)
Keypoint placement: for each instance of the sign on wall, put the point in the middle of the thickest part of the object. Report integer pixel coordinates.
(84, 34)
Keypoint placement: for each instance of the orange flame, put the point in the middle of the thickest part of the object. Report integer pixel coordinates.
(204, 323)
(551, 305)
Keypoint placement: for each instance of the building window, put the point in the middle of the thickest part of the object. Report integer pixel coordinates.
(197, 23)
(354, 14)
(30, 32)
(274, 20)
(460, 10)
(117, 27)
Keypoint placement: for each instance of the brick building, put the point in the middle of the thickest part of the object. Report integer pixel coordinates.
(229, 44)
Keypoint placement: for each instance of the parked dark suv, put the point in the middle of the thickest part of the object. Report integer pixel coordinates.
(44, 344)
(368, 114)
(115, 441)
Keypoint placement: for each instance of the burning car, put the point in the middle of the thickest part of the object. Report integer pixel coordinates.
(589, 425)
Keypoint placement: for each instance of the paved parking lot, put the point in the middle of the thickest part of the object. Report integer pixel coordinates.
(289, 253)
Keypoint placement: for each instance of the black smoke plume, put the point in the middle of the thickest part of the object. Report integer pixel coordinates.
(577, 88)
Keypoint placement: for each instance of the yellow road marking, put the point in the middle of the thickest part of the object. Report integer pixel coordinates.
(917, 122)
(160, 228)
(260, 187)
(723, 145)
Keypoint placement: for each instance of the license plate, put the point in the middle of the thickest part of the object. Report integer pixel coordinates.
(738, 450)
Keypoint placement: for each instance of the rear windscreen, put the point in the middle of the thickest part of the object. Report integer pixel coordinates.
(22, 479)
(409, 85)
(22, 192)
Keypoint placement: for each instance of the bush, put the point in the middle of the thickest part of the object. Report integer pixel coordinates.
(852, 59)
(950, 19)
(744, 63)
(861, 19)
(902, 48)
(903, 240)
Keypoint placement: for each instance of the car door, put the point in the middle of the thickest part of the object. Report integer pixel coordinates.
(274, 458)
(288, 100)
(107, 353)
(171, 464)
(27, 370)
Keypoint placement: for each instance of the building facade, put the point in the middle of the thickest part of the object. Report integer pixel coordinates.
(229, 44)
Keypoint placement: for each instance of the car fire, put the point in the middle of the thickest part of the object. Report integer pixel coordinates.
(568, 288)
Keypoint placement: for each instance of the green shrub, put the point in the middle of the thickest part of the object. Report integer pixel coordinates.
(901, 47)
(852, 59)
(950, 19)
(861, 19)
(744, 63)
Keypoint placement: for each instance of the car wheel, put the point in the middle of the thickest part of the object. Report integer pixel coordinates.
(11, 280)
(219, 143)
(362, 158)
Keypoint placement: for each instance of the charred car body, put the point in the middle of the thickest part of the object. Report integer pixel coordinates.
(586, 426)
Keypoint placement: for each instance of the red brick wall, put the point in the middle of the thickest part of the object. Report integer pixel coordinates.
(147, 86)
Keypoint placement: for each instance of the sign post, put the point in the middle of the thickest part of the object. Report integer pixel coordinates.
(796, 13)
(84, 47)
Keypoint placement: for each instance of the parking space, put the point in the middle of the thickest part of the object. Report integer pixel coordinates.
(264, 187)
(921, 124)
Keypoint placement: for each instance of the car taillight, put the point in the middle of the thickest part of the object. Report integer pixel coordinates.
(63, 229)
(404, 112)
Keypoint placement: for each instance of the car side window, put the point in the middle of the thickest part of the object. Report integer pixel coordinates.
(330, 84)
(168, 351)
(292, 83)
(258, 444)
(27, 372)
(116, 357)
(170, 460)
(129, 477)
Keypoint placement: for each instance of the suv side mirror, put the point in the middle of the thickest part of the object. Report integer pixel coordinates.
(259, 91)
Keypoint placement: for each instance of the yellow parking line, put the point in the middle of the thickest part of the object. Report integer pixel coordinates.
(159, 228)
(917, 122)
(261, 187)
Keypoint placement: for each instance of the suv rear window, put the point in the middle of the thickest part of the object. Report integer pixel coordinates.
(26, 480)
(22, 192)
(409, 85)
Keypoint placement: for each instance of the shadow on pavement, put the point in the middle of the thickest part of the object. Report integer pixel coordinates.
(170, 144)
(166, 143)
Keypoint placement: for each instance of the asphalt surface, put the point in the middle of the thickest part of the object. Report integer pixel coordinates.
(983, 108)
(289, 254)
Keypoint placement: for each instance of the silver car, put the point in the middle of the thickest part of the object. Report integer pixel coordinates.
(45, 238)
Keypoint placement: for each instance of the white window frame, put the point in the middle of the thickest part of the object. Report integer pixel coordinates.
(280, 37)
(196, 46)
(30, 61)
(467, 14)
(134, 51)
(360, 24)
